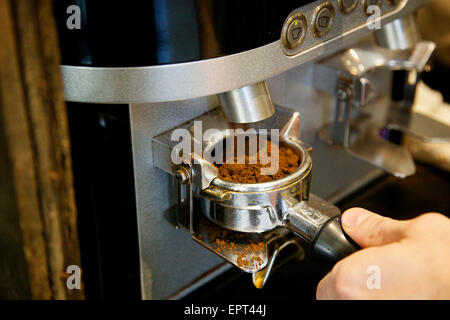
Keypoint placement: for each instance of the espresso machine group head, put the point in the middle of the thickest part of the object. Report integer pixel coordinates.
(197, 69)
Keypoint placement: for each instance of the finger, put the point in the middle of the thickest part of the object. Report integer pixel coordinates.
(370, 229)
(387, 272)
(325, 288)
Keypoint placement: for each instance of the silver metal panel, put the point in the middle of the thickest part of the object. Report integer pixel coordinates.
(170, 259)
(207, 77)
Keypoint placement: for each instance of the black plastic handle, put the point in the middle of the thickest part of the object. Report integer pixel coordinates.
(331, 243)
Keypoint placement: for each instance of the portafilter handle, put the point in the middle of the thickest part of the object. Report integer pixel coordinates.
(319, 223)
(332, 243)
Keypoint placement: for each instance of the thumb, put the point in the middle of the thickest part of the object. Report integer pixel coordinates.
(369, 229)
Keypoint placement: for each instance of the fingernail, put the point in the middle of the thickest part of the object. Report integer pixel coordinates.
(354, 217)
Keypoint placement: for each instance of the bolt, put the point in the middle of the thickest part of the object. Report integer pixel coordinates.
(183, 175)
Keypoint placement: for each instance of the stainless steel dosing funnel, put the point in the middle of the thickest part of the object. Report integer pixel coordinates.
(261, 207)
(249, 104)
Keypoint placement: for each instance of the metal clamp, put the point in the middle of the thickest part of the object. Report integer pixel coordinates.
(185, 197)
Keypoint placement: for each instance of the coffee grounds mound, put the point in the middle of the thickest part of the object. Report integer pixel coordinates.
(289, 161)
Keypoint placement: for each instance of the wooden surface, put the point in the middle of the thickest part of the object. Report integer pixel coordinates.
(35, 127)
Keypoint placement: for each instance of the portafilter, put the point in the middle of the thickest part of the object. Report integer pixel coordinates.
(287, 202)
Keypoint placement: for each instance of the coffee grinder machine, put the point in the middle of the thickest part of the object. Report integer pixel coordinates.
(135, 72)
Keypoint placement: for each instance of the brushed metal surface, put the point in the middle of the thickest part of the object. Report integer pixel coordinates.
(400, 34)
(249, 104)
(170, 259)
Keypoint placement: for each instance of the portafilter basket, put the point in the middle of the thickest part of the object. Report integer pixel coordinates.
(287, 202)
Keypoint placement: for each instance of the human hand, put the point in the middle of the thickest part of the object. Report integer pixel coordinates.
(399, 259)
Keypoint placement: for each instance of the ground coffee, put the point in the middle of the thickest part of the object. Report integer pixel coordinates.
(289, 161)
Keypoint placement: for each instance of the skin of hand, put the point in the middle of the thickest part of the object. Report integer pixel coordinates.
(411, 259)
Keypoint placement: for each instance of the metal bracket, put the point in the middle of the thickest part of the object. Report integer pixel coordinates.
(185, 197)
(343, 111)
(360, 136)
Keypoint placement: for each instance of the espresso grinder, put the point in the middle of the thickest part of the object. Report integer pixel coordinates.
(333, 80)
